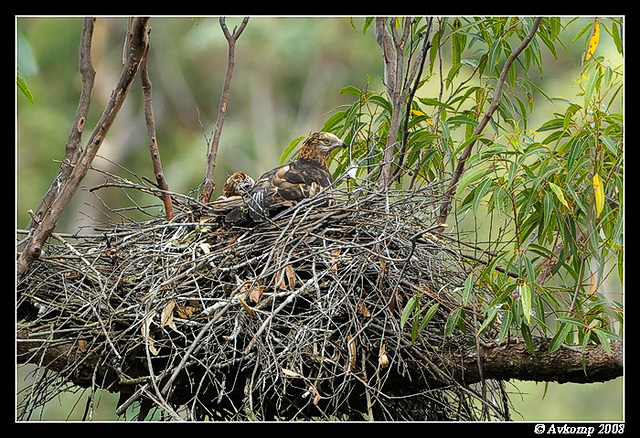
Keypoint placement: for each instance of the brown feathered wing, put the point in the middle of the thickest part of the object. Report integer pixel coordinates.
(288, 184)
(281, 188)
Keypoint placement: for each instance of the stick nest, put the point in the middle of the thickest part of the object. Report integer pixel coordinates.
(296, 318)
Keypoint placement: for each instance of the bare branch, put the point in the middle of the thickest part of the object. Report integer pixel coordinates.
(72, 148)
(232, 37)
(495, 101)
(51, 217)
(567, 364)
(151, 132)
(392, 49)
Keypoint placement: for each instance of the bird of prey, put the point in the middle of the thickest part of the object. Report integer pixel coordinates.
(288, 184)
(238, 184)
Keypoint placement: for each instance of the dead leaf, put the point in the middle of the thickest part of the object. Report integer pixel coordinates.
(185, 311)
(255, 293)
(351, 345)
(291, 276)
(316, 395)
(166, 317)
(593, 41)
(248, 309)
(383, 359)
(146, 335)
(364, 309)
(290, 373)
(334, 259)
(82, 345)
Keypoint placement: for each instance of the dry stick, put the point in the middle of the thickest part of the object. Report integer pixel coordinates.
(232, 37)
(446, 203)
(48, 223)
(72, 147)
(192, 349)
(151, 132)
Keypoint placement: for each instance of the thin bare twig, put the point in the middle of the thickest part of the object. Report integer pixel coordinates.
(232, 37)
(151, 133)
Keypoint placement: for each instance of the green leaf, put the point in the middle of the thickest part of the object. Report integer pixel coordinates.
(24, 88)
(408, 310)
(525, 297)
(489, 319)
(558, 192)
(551, 125)
(531, 274)
(287, 151)
(381, 101)
(351, 90)
(452, 321)
(494, 55)
(468, 288)
(333, 121)
(528, 339)
(592, 84)
(615, 33)
(507, 319)
(474, 174)
(427, 317)
(461, 120)
(571, 321)
(576, 151)
(547, 212)
(603, 337)
(480, 191)
(435, 102)
(568, 115)
(559, 337)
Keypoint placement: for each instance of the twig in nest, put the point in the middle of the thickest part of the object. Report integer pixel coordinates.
(325, 288)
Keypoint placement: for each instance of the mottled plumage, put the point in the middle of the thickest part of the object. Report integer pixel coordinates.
(288, 184)
(238, 184)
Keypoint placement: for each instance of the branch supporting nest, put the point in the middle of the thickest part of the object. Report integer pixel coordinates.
(294, 319)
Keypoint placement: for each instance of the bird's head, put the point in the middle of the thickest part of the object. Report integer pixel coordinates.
(237, 184)
(318, 146)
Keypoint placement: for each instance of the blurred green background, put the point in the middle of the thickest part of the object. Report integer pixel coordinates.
(288, 73)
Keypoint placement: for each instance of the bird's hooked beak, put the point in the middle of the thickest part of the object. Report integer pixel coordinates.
(338, 144)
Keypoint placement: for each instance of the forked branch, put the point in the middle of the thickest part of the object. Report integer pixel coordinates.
(232, 37)
(48, 222)
(73, 148)
(495, 101)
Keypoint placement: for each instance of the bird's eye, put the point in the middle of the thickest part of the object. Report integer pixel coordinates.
(325, 141)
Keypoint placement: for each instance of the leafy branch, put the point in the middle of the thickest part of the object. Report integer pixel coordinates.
(495, 102)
